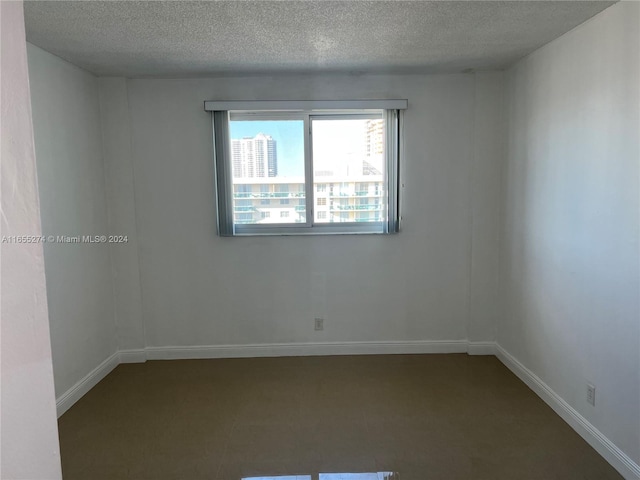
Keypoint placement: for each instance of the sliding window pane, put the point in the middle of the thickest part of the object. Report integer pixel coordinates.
(348, 170)
(267, 160)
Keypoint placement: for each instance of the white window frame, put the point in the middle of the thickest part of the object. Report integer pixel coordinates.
(305, 111)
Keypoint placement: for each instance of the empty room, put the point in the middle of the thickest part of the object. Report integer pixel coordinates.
(320, 240)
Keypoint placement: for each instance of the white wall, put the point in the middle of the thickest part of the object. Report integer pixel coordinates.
(66, 118)
(200, 289)
(486, 174)
(570, 277)
(116, 143)
(29, 433)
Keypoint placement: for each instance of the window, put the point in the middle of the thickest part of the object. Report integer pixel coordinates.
(341, 157)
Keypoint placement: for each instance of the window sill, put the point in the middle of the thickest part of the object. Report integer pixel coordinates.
(377, 228)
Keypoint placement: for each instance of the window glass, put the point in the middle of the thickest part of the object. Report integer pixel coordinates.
(349, 161)
(267, 162)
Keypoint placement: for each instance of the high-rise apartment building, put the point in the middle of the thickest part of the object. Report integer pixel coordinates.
(373, 147)
(254, 157)
(282, 200)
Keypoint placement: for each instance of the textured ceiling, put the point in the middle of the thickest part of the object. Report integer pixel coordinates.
(167, 38)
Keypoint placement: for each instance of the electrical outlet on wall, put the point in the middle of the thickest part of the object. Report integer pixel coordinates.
(319, 323)
(591, 394)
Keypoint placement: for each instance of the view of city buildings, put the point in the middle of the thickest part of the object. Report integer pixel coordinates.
(347, 188)
(255, 157)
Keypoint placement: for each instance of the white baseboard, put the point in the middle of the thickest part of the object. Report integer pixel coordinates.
(133, 356)
(481, 348)
(75, 393)
(605, 447)
(305, 349)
